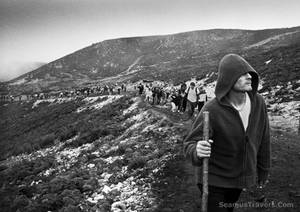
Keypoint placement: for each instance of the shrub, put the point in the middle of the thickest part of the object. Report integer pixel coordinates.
(66, 133)
(17, 150)
(84, 138)
(51, 201)
(137, 162)
(47, 140)
(121, 149)
(20, 202)
(26, 148)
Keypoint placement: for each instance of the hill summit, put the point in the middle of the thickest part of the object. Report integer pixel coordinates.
(274, 53)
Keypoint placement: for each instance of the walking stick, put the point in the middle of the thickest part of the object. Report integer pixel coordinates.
(205, 164)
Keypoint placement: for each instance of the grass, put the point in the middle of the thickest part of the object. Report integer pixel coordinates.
(65, 190)
(42, 127)
(24, 129)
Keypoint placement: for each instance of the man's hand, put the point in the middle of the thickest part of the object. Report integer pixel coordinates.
(203, 148)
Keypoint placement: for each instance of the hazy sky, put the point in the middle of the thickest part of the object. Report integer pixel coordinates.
(45, 30)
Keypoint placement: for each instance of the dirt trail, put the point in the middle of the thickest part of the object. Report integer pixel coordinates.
(176, 187)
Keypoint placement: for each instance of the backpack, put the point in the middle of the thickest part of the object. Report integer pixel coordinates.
(187, 93)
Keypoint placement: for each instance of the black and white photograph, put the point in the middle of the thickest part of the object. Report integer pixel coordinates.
(149, 105)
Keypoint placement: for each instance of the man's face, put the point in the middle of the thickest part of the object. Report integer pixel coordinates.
(243, 84)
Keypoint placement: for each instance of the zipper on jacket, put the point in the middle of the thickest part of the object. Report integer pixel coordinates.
(245, 135)
(239, 118)
(245, 140)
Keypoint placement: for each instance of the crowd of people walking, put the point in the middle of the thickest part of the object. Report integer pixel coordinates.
(188, 98)
(183, 98)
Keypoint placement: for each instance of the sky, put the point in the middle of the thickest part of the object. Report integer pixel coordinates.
(35, 31)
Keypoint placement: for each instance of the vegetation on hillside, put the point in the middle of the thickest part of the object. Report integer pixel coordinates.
(94, 157)
(25, 128)
(171, 58)
(114, 153)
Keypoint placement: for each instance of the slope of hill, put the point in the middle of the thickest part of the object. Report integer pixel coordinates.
(115, 153)
(83, 154)
(171, 57)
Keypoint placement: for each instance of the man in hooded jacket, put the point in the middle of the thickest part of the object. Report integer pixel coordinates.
(239, 145)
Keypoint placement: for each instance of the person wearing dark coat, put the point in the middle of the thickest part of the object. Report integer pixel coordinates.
(239, 137)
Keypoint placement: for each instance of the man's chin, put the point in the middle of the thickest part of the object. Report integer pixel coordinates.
(243, 90)
(248, 88)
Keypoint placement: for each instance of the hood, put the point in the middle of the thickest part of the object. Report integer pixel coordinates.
(231, 67)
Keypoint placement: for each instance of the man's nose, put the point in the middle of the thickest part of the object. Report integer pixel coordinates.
(248, 75)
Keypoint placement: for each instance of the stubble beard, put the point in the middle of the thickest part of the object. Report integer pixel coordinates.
(237, 90)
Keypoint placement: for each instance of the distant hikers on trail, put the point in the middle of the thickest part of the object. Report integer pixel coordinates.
(175, 101)
(239, 136)
(93, 90)
(192, 98)
(186, 98)
(141, 88)
(181, 98)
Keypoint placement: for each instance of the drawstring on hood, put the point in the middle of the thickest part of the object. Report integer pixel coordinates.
(231, 67)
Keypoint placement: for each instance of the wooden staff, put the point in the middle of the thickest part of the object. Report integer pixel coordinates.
(299, 125)
(205, 164)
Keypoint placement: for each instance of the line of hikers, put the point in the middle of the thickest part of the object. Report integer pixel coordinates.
(188, 99)
(183, 99)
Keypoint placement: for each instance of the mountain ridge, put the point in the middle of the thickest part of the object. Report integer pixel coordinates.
(174, 58)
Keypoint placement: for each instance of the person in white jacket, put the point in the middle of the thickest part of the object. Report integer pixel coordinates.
(192, 97)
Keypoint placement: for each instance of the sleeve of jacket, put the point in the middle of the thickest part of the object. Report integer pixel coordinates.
(264, 152)
(190, 142)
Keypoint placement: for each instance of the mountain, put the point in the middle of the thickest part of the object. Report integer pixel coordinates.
(275, 53)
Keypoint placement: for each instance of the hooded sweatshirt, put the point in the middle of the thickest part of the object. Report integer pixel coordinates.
(238, 156)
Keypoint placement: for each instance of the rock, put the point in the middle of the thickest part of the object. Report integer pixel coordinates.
(118, 207)
(106, 189)
(91, 165)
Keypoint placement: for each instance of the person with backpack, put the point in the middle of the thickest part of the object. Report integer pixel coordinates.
(192, 98)
(239, 147)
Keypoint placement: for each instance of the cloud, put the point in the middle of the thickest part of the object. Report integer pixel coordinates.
(17, 68)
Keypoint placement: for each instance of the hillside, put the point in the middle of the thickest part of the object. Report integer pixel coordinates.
(83, 154)
(118, 153)
(173, 58)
